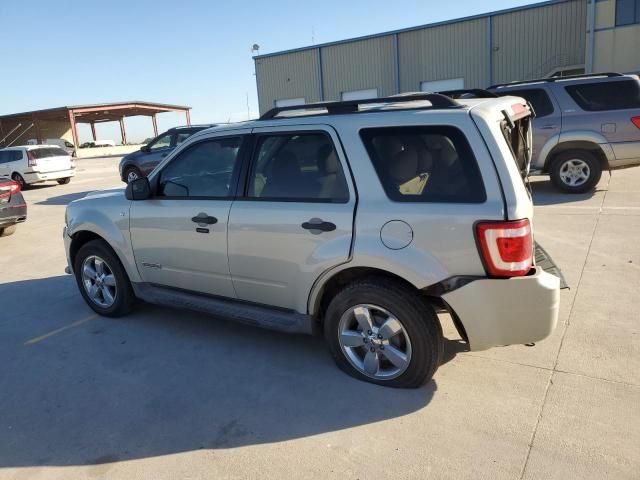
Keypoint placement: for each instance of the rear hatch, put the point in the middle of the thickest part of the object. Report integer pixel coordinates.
(516, 129)
(49, 159)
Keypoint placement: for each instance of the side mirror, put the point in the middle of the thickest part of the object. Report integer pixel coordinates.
(145, 149)
(139, 189)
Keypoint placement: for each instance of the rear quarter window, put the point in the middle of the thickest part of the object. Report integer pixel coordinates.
(425, 164)
(595, 97)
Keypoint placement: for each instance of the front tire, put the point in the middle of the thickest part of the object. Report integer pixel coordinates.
(64, 181)
(383, 333)
(102, 280)
(6, 231)
(131, 174)
(575, 171)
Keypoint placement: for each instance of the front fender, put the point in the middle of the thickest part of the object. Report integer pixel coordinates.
(110, 222)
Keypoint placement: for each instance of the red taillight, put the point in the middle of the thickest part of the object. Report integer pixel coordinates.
(506, 247)
(32, 162)
(636, 121)
(9, 188)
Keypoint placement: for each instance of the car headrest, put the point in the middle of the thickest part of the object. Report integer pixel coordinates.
(404, 166)
(327, 160)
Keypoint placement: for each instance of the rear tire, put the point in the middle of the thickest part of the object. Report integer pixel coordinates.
(575, 171)
(16, 177)
(6, 231)
(113, 295)
(417, 344)
(64, 181)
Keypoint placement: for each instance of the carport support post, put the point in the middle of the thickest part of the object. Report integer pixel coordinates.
(123, 132)
(155, 125)
(35, 124)
(93, 130)
(186, 112)
(74, 130)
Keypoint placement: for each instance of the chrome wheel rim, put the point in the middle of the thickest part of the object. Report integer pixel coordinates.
(99, 281)
(131, 176)
(374, 342)
(574, 172)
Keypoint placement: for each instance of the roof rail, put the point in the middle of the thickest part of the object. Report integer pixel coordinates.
(463, 93)
(556, 79)
(352, 106)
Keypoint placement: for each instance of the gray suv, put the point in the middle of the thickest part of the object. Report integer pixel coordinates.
(358, 219)
(582, 126)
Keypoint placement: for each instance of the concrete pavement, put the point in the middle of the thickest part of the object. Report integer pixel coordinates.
(172, 394)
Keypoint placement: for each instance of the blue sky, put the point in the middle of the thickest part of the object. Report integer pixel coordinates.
(191, 52)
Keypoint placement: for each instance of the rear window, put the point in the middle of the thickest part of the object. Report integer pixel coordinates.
(600, 96)
(48, 152)
(425, 164)
(537, 97)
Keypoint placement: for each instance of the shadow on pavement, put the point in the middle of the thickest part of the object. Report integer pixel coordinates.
(164, 381)
(545, 193)
(64, 199)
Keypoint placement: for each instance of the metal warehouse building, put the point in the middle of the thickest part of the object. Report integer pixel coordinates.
(556, 37)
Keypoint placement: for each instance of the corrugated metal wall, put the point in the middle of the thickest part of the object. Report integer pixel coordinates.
(358, 66)
(531, 43)
(448, 51)
(288, 76)
(525, 44)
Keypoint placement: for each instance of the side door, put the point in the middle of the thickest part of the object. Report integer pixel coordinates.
(295, 218)
(547, 123)
(156, 151)
(179, 236)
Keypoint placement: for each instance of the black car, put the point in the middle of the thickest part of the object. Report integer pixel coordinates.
(140, 163)
(13, 208)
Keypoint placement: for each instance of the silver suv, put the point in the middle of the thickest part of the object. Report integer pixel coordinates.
(582, 126)
(355, 219)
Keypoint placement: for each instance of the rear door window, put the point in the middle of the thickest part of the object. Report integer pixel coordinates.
(425, 164)
(594, 97)
(537, 97)
(300, 167)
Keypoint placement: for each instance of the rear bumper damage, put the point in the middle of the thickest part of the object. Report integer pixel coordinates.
(518, 310)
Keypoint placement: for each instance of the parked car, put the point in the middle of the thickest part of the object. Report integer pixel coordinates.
(13, 208)
(141, 163)
(66, 145)
(584, 124)
(37, 163)
(358, 220)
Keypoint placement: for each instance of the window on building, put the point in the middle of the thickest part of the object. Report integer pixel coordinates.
(359, 94)
(442, 85)
(627, 12)
(303, 167)
(290, 102)
(599, 96)
(537, 97)
(425, 164)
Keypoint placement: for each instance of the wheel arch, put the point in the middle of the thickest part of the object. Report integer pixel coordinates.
(586, 145)
(322, 294)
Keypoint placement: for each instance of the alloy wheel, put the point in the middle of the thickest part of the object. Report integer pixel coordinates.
(574, 172)
(99, 281)
(374, 341)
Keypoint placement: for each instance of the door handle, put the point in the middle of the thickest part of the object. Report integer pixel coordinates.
(548, 127)
(204, 219)
(319, 225)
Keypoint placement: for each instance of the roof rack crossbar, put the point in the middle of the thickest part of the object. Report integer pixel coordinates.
(556, 79)
(352, 106)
